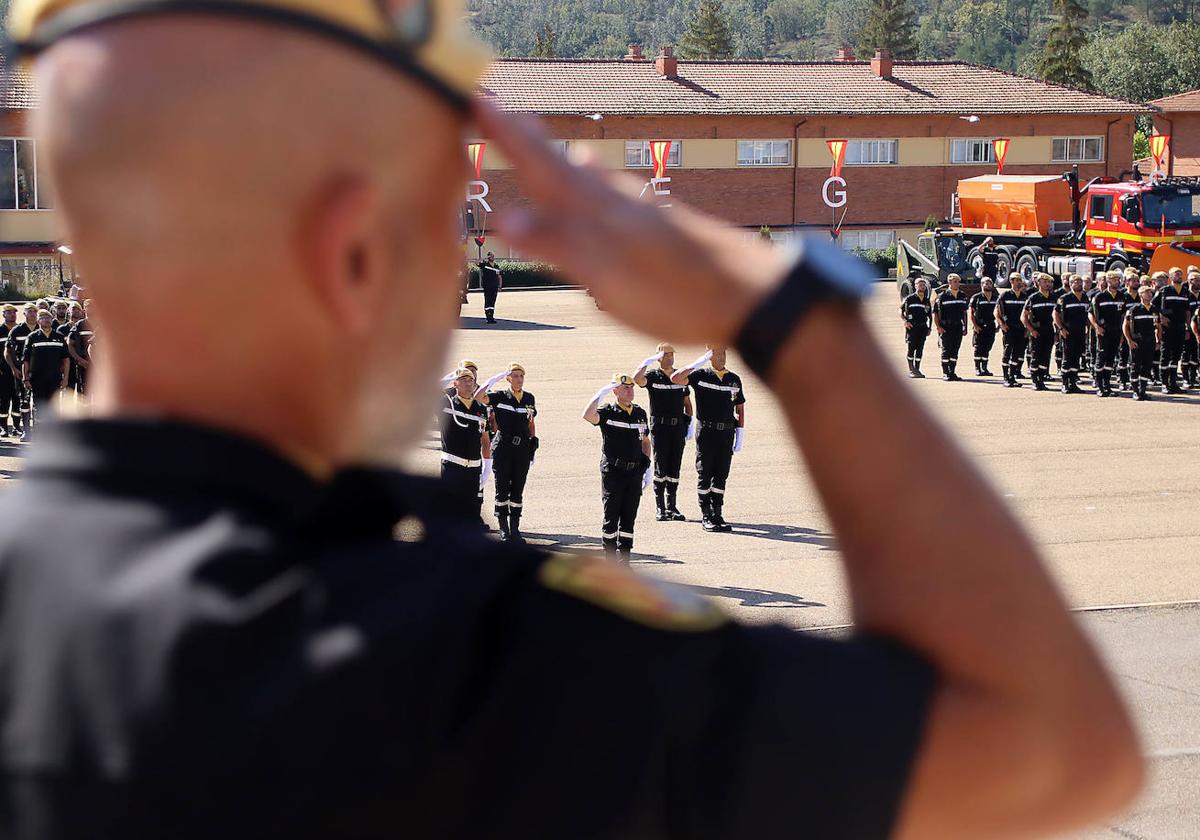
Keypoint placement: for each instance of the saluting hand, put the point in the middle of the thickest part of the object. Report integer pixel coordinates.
(629, 253)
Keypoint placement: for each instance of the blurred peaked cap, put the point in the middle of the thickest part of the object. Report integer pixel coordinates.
(462, 371)
(622, 379)
(516, 367)
(430, 36)
(8, 307)
(664, 348)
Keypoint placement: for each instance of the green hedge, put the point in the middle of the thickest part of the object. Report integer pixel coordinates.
(881, 259)
(520, 273)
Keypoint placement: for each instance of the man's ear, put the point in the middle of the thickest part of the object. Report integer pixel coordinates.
(346, 268)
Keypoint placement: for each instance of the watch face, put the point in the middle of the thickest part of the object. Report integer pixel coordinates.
(844, 274)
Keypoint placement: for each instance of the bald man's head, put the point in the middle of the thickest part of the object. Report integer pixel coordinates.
(197, 158)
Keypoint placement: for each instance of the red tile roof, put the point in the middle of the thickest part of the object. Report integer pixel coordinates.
(1189, 101)
(712, 88)
(18, 90)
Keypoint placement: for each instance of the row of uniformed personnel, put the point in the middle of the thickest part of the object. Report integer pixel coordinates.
(1144, 333)
(47, 352)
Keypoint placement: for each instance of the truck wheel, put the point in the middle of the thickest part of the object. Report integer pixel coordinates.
(1026, 266)
(975, 260)
(906, 288)
(1006, 256)
(1117, 264)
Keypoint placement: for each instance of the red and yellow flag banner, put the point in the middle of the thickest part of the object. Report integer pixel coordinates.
(837, 148)
(1159, 143)
(1000, 147)
(475, 154)
(660, 150)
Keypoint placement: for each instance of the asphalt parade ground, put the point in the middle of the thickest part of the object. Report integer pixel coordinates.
(1110, 488)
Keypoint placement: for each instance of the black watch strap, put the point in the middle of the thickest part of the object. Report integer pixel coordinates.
(774, 320)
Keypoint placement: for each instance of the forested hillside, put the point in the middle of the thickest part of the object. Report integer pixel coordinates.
(1136, 51)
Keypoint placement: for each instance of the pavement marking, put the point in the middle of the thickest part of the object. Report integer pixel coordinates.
(1174, 753)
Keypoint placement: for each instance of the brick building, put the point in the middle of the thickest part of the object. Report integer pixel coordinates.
(750, 136)
(1179, 116)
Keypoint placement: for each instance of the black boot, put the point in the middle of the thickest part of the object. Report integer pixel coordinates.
(1065, 387)
(723, 527)
(1073, 382)
(910, 368)
(624, 549)
(917, 370)
(1164, 381)
(502, 519)
(1174, 384)
(954, 377)
(610, 547)
(946, 371)
(491, 315)
(706, 511)
(514, 526)
(660, 504)
(673, 513)
(1017, 371)
(1039, 380)
(983, 369)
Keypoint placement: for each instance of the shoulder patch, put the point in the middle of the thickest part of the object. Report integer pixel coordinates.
(613, 587)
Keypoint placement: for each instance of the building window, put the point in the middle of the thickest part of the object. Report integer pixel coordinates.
(764, 153)
(1078, 149)
(559, 148)
(870, 152)
(867, 240)
(637, 154)
(18, 176)
(971, 151)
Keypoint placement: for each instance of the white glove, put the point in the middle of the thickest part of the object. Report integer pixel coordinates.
(737, 439)
(603, 392)
(485, 473)
(448, 378)
(651, 360)
(700, 361)
(691, 432)
(647, 477)
(487, 386)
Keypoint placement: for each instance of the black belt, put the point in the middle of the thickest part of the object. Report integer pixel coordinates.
(515, 440)
(667, 421)
(624, 465)
(720, 427)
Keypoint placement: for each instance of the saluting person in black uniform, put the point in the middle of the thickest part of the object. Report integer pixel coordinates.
(1143, 333)
(1009, 307)
(1071, 321)
(950, 318)
(492, 281)
(982, 311)
(721, 415)
(1107, 317)
(1191, 348)
(1175, 309)
(1038, 318)
(915, 313)
(624, 461)
(466, 446)
(513, 413)
(10, 402)
(46, 363)
(670, 428)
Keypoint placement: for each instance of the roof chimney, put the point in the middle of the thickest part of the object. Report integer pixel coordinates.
(845, 53)
(881, 64)
(635, 53)
(667, 64)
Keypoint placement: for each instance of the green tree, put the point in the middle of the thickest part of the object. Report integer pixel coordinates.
(1145, 62)
(544, 41)
(1061, 62)
(708, 34)
(890, 25)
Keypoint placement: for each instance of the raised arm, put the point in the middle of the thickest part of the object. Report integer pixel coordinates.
(639, 375)
(680, 377)
(481, 393)
(1026, 735)
(592, 412)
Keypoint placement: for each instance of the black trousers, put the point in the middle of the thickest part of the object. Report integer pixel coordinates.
(24, 404)
(1191, 351)
(510, 465)
(1040, 349)
(1123, 358)
(464, 483)
(668, 442)
(1107, 346)
(916, 343)
(983, 341)
(42, 400)
(714, 456)
(951, 342)
(490, 292)
(1142, 358)
(1014, 342)
(10, 402)
(621, 492)
(1172, 348)
(1074, 346)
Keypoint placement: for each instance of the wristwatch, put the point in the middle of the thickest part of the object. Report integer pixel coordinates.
(822, 274)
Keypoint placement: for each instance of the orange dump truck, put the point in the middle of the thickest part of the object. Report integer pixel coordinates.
(1054, 224)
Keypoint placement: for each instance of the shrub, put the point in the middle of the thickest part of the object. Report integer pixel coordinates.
(521, 273)
(881, 259)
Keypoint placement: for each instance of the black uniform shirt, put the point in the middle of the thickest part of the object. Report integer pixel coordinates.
(1175, 306)
(1041, 311)
(462, 428)
(80, 338)
(666, 398)
(1142, 321)
(1194, 304)
(214, 645)
(16, 339)
(1074, 312)
(951, 309)
(5, 370)
(622, 432)
(1011, 305)
(45, 354)
(1109, 310)
(915, 309)
(512, 414)
(716, 396)
(984, 309)
(489, 275)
